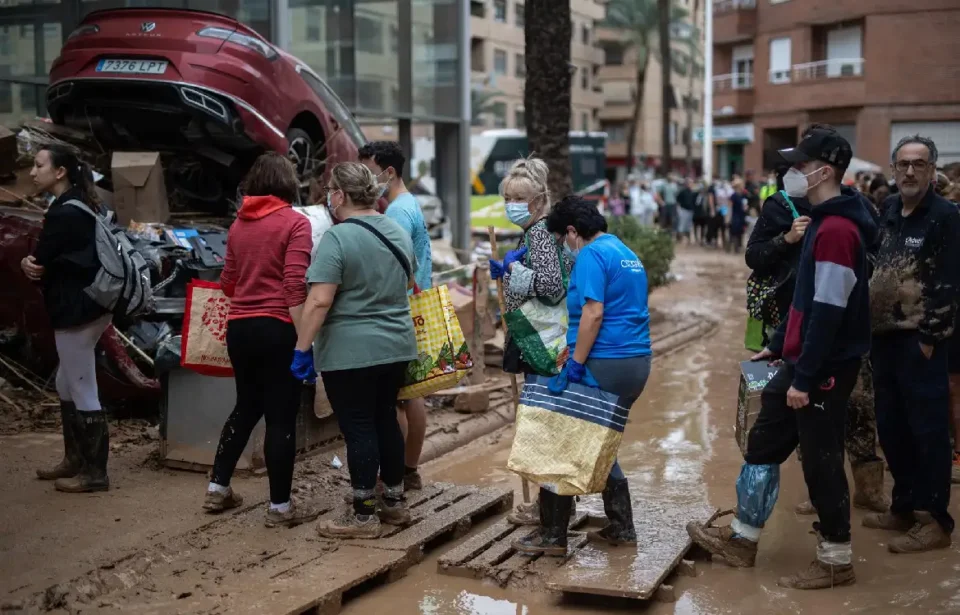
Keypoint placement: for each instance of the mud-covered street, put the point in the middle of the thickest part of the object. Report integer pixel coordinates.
(146, 547)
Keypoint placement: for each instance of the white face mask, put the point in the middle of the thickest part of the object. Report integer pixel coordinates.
(795, 182)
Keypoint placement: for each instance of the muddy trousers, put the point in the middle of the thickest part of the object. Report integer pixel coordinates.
(913, 417)
(260, 350)
(819, 428)
(364, 401)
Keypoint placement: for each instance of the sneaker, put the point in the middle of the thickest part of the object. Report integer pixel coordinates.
(393, 512)
(217, 502)
(925, 535)
(295, 515)
(820, 576)
(412, 481)
(735, 550)
(805, 508)
(526, 514)
(889, 521)
(350, 525)
(956, 468)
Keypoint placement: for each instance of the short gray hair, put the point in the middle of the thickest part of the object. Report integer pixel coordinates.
(924, 141)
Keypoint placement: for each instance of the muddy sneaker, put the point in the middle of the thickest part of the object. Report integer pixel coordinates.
(888, 521)
(820, 576)
(925, 535)
(724, 542)
(295, 515)
(216, 502)
(350, 525)
(393, 512)
(526, 514)
(805, 508)
(412, 481)
(868, 487)
(956, 468)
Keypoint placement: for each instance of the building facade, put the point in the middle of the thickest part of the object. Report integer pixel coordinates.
(876, 70)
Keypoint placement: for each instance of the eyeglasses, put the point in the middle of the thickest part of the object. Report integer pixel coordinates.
(919, 166)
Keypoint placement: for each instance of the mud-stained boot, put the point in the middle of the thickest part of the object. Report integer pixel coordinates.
(868, 487)
(526, 514)
(619, 510)
(722, 541)
(94, 445)
(350, 525)
(296, 514)
(551, 537)
(889, 521)
(216, 502)
(412, 481)
(820, 576)
(392, 509)
(925, 535)
(72, 462)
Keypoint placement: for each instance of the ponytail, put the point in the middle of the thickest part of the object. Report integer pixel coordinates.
(79, 173)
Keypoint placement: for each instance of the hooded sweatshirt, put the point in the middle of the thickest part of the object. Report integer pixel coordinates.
(268, 252)
(829, 318)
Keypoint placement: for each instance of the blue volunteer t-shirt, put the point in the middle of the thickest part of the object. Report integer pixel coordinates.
(405, 211)
(610, 273)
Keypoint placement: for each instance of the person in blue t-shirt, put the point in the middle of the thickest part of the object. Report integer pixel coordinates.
(386, 160)
(609, 342)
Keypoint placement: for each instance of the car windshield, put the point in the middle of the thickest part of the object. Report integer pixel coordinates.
(335, 106)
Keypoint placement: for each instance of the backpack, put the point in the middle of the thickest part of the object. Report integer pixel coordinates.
(122, 284)
(762, 290)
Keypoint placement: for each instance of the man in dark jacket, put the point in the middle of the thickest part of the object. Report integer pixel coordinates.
(913, 298)
(822, 342)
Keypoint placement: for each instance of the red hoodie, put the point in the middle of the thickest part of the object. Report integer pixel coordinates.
(268, 252)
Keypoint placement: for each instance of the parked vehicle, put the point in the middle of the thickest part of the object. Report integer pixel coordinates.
(201, 86)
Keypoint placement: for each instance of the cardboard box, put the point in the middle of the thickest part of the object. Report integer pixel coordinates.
(139, 192)
(754, 376)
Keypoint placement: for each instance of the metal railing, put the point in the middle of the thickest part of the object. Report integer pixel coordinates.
(733, 81)
(726, 6)
(828, 69)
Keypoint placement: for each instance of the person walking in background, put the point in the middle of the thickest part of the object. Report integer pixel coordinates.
(738, 215)
(686, 208)
(913, 295)
(701, 214)
(268, 251)
(65, 262)
(358, 312)
(668, 197)
(618, 202)
(386, 160)
(646, 211)
(770, 187)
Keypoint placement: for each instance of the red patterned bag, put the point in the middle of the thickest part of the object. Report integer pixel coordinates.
(203, 347)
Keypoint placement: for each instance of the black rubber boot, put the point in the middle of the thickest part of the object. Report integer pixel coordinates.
(551, 537)
(619, 511)
(72, 462)
(93, 436)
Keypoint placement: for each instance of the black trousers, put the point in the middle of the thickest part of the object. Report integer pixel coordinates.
(913, 422)
(819, 429)
(365, 403)
(261, 350)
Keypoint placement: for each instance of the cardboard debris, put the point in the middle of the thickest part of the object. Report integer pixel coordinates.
(139, 192)
(754, 375)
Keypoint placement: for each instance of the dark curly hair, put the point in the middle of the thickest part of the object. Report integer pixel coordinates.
(386, 154)
(579, 213)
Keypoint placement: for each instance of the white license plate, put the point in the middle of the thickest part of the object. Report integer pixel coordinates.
(132, 67)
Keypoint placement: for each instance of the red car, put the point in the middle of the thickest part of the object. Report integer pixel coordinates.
(199, 85)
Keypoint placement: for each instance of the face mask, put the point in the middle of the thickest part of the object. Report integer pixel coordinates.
(384, 186)
(518, 213)
(795, 182)
(330, 206)
(571, 252)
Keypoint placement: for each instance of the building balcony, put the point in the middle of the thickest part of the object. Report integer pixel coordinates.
(823, 84)
(733, 94)
(734, 21)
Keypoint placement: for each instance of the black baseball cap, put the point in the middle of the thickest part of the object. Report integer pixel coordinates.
(820, 144)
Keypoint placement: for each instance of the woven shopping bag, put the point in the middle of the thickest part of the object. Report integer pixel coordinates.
(566, 443)
(442, 354)
(203, 347)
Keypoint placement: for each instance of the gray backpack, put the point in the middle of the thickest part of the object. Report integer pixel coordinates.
(122, 285)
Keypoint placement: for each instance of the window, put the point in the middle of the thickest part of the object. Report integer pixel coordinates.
(499, 62)
(743, 67)
(780, 60)
(520, 66)
(499, 112)
(28, 99)
(313, 24)
(616, 133)
(613, 55)
(369, 94)
(394, 38)
(585, 78)
(369, 35)
(845, 52)
(585, 122)
(520, 16)
(519, 118)
(477, 8)
(585, 35)
(500, 11)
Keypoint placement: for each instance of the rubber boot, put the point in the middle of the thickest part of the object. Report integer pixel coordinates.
(94, 445)
(619, 511)
(551, 537)
(72, 461)
(868, 487)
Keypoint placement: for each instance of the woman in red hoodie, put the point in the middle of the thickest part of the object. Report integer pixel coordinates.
(268, 252)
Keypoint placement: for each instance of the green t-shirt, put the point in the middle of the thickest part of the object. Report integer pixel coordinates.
(369, 322)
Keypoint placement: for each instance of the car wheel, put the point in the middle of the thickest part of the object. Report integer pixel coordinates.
(301, 152)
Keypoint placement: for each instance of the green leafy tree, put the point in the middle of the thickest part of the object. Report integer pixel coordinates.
(653, 246)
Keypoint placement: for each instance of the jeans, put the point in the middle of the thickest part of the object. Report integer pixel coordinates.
(261, 349)
(913, 418)
(819, 429)
(365, 403)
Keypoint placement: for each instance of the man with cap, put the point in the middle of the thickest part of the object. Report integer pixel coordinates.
(821, 342)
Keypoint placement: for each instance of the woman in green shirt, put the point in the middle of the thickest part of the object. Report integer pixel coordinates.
(357, 318)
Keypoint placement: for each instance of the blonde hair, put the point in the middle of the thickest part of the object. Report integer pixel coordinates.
(530, 175)
(357, 182)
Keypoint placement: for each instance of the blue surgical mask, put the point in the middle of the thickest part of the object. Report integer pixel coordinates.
(573, 254)
(383, 190)
(518, 213)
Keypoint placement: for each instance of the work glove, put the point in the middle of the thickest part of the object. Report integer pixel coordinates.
(302, 366)
(575, 371)
(498, 270)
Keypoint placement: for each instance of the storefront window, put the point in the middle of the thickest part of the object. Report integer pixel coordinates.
(435, 55)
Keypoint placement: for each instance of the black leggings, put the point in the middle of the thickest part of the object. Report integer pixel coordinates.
(365, 402)
(261, 350)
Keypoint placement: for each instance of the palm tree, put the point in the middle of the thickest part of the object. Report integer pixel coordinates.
(640, 22)
(663, 30)
(546, 97)
(482, 103)
(692, 43)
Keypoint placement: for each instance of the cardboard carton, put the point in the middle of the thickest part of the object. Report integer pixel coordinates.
(754, 376)
(139, 192)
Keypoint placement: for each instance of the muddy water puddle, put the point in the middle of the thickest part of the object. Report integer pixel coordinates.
(679, 446)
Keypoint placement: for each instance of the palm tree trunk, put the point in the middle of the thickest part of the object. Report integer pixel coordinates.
(637, 109)
(665, 93)
(688, 141)
(546, 96)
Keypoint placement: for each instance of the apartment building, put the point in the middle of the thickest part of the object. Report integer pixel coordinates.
(498, 64)
(877, 70)
(617, 78)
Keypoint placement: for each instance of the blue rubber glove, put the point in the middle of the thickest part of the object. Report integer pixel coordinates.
(302, 366)
(514, 256)
(558, 384)
(575, 371)
(496, 269)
